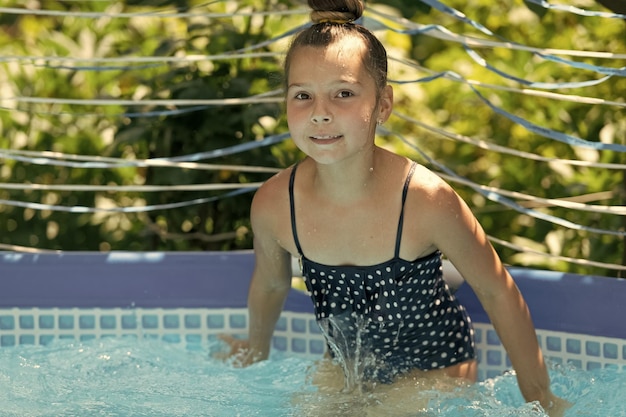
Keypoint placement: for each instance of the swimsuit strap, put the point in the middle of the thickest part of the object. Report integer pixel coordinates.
(293, 209)
(405, 191)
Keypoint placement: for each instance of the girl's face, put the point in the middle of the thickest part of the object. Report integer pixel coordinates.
(333, 103)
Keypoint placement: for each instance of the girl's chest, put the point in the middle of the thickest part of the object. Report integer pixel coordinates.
(348, 236)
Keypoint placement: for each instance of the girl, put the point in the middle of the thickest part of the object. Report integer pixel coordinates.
(369, 227)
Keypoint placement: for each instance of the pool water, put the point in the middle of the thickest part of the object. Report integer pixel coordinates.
(142, 377)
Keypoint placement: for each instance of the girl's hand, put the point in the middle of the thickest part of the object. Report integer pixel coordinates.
(557, 407)
(239, 351)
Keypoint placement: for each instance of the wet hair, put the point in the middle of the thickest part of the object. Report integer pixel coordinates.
(333, 20)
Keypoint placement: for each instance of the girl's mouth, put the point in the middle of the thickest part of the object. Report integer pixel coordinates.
(326, 137)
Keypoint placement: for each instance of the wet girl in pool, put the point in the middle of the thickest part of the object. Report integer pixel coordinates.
(370, 227)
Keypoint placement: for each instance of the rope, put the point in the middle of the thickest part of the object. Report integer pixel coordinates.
(473, 46)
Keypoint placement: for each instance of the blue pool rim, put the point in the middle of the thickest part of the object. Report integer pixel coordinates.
(562, 302)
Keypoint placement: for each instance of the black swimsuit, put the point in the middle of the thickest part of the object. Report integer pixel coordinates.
(391, 317)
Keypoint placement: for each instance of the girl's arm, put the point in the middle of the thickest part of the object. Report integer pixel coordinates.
(458, 235)
(270, 284)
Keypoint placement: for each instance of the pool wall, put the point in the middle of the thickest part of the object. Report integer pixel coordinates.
(191, 297)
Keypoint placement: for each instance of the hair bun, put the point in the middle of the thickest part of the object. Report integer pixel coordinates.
(337, 11)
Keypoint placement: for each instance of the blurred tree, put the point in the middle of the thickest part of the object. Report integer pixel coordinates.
(456, 108)
(137, 133)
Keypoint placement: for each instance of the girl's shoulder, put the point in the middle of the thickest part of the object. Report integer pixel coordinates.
(273, 196)
(426, 181)
(277, 183)
(431, 193)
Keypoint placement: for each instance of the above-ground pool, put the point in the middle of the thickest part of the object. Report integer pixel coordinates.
(132, 334)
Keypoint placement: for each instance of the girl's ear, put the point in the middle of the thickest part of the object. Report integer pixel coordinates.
(385, 104)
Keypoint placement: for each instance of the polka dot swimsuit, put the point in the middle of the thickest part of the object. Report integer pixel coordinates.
(391, 317)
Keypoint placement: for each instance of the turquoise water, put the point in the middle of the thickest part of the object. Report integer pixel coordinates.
(127, 377)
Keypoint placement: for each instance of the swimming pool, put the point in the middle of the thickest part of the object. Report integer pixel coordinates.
(72, 311)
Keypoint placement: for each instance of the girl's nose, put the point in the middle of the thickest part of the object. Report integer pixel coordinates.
(318, 118)
(320, 114)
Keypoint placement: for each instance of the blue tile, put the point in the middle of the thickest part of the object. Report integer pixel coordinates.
(314, 328)
(553, 343)
(555, 359)
(610, 350)
(492, 338)
(573, 346)
(494, 357)
(46, 321)
(298, 345)
(193, 338)
(592, 348)
(281, 324)
(479, 355)
(171, 337)
(593, 365)
(150, 321)
(87, 321)
(7, 323)
(576, 363)
(279, 343)
(215, 321)
(108, 322)
(44, 339)
(317, 347)
(237, 321)
(129, 322)
(493, 374)
(481, 375)
(27, 339)
(171, 321)
(7, 340)
(27, 322)
(478, 335)
(298, 325)
(192, 321)
(66, 322)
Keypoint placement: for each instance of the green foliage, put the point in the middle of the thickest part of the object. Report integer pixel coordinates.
(456, 108)
(95, 130)
(113, 131)
(215, 127)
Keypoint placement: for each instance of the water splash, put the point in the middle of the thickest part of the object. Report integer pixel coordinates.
(349, 340)
(113, 377)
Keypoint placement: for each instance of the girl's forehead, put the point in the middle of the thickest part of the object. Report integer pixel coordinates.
(348, 48)
(342, 55)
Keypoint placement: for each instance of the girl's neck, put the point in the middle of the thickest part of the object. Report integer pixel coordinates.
(350, 180)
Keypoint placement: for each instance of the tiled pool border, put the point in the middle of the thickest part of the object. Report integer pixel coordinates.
(296, 333)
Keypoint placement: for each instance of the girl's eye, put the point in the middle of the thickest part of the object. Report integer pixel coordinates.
(301, 96)
(344, 94)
